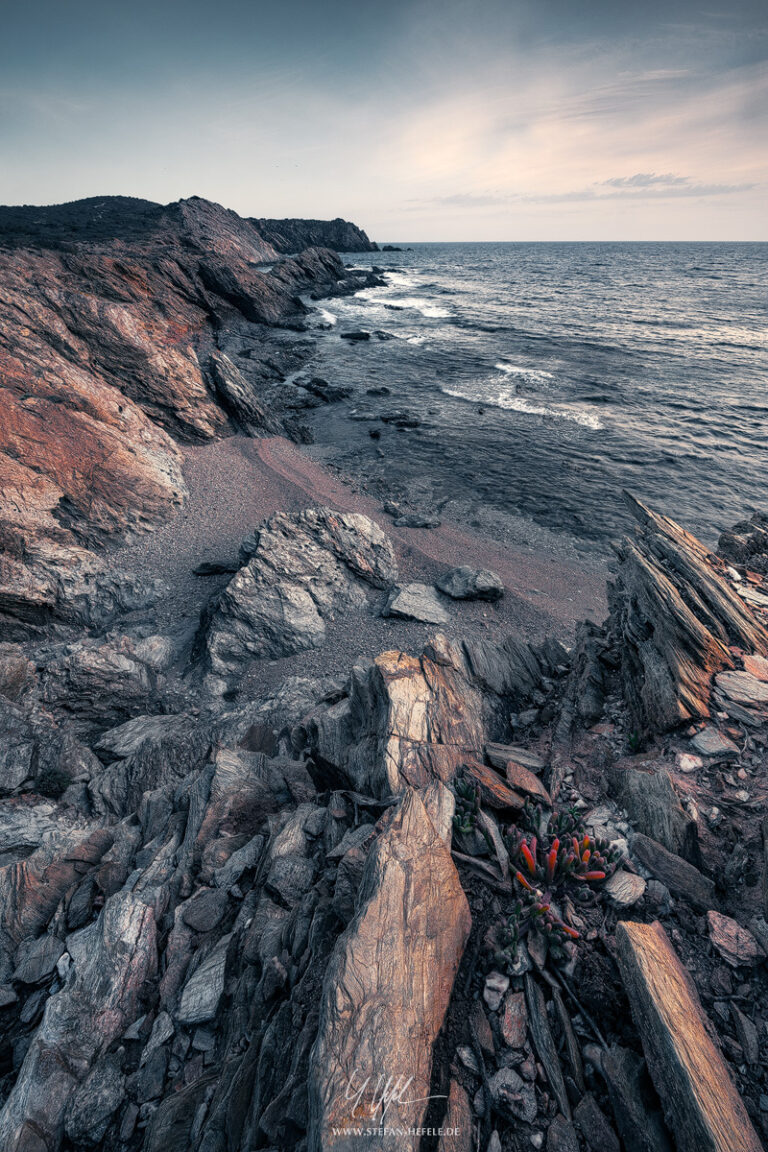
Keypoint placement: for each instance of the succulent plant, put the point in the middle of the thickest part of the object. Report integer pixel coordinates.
(467, 807)
(549, 853)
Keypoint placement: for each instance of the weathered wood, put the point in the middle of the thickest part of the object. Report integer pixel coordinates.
(544, 1044)
(701, 1104)
(680, 877)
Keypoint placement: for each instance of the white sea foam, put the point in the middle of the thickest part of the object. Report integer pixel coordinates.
(500, 396)
(417, 304)
(520, 370)
(327, 317)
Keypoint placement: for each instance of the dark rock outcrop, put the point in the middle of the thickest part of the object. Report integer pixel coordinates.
(294, 235)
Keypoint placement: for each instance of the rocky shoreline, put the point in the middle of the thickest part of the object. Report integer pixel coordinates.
(348, 840)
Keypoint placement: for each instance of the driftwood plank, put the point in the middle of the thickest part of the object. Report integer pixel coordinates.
(701, 1104)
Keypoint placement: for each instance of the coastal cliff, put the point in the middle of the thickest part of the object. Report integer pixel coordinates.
(499, 884)
(294, 235)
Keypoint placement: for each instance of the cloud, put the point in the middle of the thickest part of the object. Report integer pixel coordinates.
(646, 180)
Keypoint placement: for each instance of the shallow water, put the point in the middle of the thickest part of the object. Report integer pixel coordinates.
(551, 376)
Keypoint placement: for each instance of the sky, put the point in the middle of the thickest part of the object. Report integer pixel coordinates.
(417, 119)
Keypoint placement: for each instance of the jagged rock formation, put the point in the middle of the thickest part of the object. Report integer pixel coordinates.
(298, 570)
(113, 348)
(294, 235)
(408, 720)
(674, 618)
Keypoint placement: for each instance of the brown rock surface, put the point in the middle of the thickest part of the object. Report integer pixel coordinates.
(675, 615)
(389, 982)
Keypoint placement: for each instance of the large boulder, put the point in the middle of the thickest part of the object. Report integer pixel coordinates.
(299, 570)
(388, 984)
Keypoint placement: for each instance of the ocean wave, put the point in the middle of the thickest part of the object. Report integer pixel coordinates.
(506, 399)
(416, 304)
(327, 317)
(525, 373)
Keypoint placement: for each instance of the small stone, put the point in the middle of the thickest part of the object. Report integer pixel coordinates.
(468, 1058)
(537, 1139)
(713, 745)
(494, 1144)
(466, 583)
(743, 687)
(514, 1019)
(204, 989)
(36, 960)
(496, 984)
(482, 1029)
(7, 996)
(735, 944)
(205, 910)
(687, 762)
(512, 1096)
(416, 602)
(624, 888)
(523, 780)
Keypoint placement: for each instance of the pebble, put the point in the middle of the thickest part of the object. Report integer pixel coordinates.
(624, 888)
(496, 984)
(687, 762)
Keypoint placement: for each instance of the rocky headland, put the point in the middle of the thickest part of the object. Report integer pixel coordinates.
(325, 825)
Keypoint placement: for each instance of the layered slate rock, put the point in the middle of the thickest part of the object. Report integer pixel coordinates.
(389, 982)
(408, 720)
(674, 617)
(299, 570)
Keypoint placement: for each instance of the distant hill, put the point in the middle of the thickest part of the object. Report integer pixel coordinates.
(194, 221)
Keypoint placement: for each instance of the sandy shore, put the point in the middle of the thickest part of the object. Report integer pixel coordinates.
(237, 482)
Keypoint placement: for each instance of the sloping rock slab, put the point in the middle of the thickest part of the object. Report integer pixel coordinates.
(299, 569)
(674, 616)
(388, 985)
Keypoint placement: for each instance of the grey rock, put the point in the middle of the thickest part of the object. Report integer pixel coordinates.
(36, 960)
(203, 990)
(205, 910)
(416, 602)
(713, 745)
(414, 520)
(466, 583)
(90, 1111)
(299, 569)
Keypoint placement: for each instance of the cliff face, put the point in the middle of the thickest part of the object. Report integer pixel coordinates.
(294, 235)
(113, 348)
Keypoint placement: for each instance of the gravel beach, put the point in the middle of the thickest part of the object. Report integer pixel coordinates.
(237, 482)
